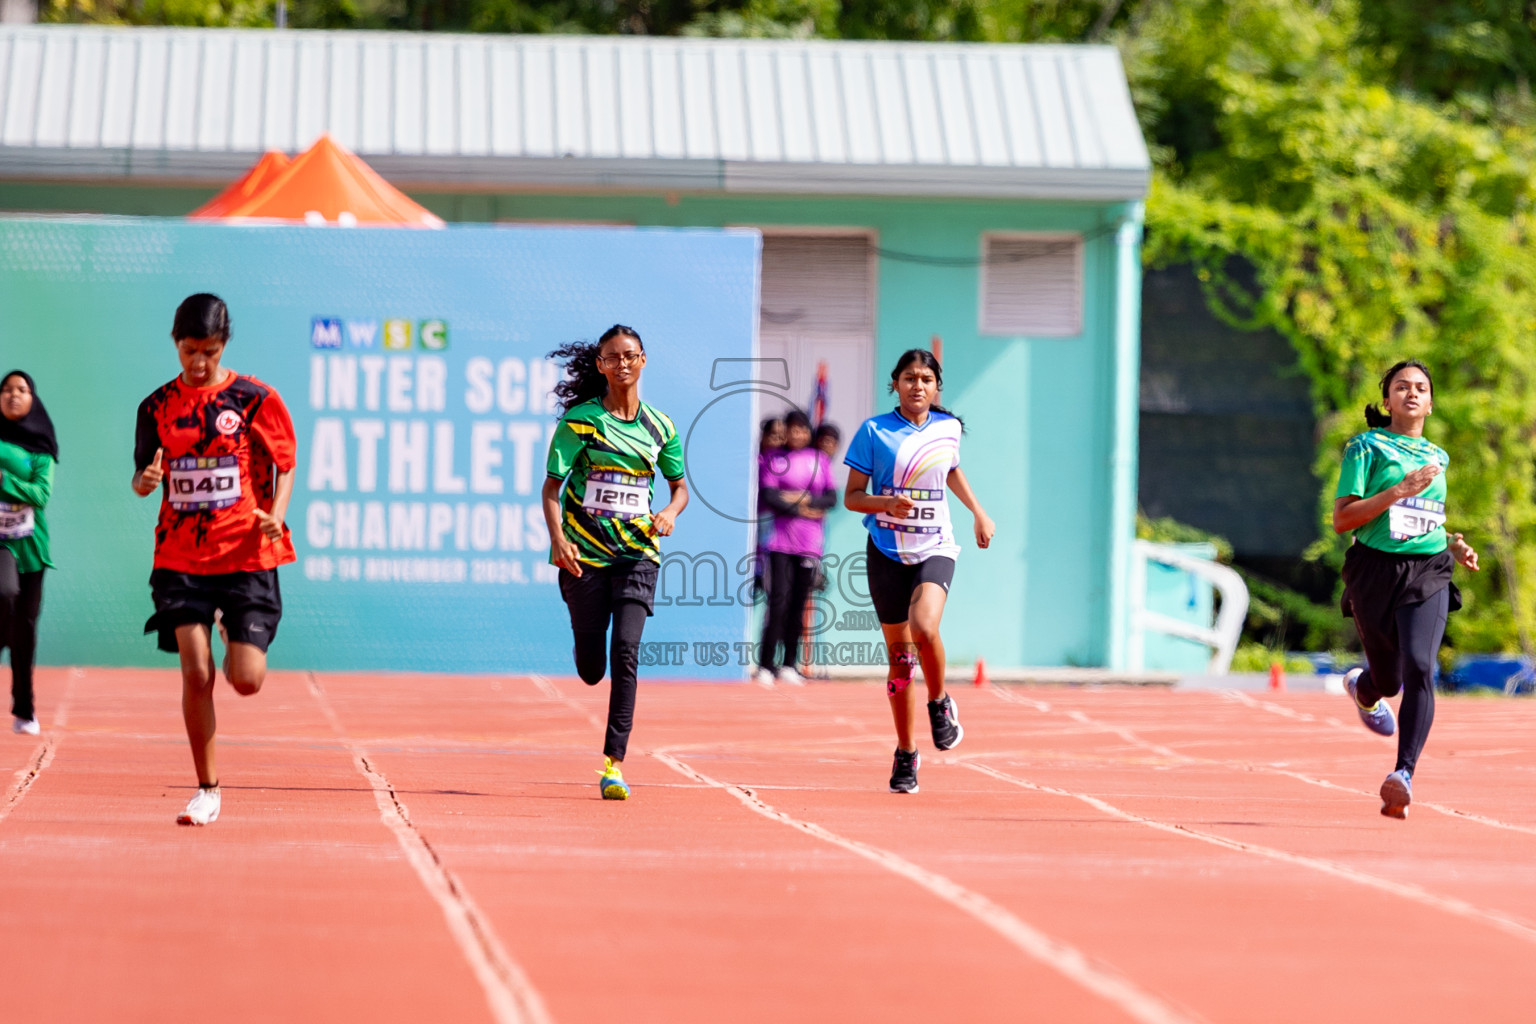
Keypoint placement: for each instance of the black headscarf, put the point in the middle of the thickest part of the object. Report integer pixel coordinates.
(34, 431)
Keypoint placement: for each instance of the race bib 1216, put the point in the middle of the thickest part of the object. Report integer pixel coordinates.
(617, 495)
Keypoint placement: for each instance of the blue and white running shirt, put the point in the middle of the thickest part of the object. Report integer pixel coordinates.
(905, 459)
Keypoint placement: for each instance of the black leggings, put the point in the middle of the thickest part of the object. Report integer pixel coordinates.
(1406, 663)
(789, 579)
(621, 595)
(21, 600)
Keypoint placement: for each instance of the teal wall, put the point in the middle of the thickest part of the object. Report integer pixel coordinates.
(1051, 422)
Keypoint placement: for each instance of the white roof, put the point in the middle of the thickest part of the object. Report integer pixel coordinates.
(498, 112)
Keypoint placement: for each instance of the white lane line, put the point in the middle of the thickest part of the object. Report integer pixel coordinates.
(549, 689)
(508, 992)
(1404, 890)
(1130, 737)
(42, 755)
(1450, 812)
(1282, 710)
(1097, 978)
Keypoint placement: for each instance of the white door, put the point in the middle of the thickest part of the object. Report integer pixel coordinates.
(818, 303)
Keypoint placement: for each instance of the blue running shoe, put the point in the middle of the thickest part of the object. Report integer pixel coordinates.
(1397, 794)
(1379, 719)
(612, 781)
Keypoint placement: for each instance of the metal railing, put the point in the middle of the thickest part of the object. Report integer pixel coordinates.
(1222, 637)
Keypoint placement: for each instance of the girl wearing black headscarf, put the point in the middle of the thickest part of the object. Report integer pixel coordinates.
(28, 451)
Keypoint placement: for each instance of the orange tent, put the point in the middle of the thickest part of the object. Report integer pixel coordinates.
(327, 184)
(272, 163)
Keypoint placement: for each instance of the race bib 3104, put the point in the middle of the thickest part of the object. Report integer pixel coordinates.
(1408, 518)
(617, 495)
(196, 484)
(16, 521)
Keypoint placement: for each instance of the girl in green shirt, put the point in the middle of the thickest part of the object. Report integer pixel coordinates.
(603, 461)
(28, 451)
(1397, 574)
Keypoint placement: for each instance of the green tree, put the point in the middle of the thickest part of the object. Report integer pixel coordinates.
(1382, 225)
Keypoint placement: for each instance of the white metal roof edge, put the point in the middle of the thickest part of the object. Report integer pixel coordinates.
(487, 174)
(570, 39)
(485, 111)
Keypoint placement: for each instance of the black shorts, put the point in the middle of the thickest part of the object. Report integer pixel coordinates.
(251, 602)
(892, 583)
(592, 595)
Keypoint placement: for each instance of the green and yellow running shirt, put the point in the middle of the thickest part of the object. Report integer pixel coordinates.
(1378, 459)
(609, 469)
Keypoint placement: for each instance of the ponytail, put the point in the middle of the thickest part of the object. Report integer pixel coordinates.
(582, 380)
(1375, 416)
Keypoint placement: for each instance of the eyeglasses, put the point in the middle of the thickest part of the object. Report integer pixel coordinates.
(626, 358)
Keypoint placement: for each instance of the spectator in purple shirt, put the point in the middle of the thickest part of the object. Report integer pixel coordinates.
(797, 488)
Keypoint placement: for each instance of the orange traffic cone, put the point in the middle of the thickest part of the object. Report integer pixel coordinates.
(981, 673)
(1276, 677)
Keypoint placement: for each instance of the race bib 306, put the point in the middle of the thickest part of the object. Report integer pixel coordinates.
(929, 512)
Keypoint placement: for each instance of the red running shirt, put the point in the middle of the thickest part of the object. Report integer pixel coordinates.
(224, 446)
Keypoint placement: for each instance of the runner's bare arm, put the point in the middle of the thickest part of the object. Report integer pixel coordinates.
(561, 551)
(1351, 512)
(856, 497)
(985, 528)
(271, 523)
(147, 479)
(663, 522)
(1463, 552)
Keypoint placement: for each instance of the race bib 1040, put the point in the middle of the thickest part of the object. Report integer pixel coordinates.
(16, 521)
(1408, 518)
(617, 495)
(196, 483)
(929, 512)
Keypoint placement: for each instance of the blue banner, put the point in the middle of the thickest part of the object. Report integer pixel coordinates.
(414, 364)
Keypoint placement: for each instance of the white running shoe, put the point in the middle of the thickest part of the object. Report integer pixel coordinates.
(201, 809)
(763, 677)
(25, 726)
(1378, 718)
(791, 677)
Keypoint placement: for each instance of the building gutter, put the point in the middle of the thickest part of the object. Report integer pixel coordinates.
(469, 173)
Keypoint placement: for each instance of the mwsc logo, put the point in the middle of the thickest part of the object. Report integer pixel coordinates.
(393, 335)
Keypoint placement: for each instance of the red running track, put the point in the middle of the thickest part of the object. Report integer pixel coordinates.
(430, 848)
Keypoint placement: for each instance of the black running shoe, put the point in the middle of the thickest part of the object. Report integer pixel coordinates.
(904, 771)
(945, 719)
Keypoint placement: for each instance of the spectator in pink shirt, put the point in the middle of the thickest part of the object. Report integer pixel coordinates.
(795, 485)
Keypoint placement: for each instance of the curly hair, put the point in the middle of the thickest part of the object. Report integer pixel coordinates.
(582, 380)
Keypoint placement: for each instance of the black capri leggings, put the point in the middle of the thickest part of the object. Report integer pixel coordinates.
(620, 594)
(1406, 663)
(21, 601)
